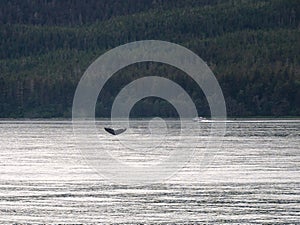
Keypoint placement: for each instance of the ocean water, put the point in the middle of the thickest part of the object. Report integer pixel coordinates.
(252, 178)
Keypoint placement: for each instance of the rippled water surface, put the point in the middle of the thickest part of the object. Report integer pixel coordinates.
(254, 176)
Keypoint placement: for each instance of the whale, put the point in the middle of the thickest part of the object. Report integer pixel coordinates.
(114, 131)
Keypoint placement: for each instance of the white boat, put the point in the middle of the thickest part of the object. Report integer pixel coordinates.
(200, 119)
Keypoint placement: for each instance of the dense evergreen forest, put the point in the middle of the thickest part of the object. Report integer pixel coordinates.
(252, 46)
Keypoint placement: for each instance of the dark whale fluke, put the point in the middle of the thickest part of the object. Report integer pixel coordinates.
(114, 132)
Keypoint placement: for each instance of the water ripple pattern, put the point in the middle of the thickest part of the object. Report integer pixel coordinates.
(255, 179)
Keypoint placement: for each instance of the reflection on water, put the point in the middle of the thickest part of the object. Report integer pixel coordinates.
(254, 177)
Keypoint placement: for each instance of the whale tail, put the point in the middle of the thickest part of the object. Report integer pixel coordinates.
(113, 131)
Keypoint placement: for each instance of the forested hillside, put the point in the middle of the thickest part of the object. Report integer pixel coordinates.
(252, 46)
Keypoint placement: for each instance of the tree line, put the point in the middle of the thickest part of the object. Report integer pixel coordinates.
(251, 46)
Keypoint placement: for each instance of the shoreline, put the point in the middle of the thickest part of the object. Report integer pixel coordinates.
(144, 118)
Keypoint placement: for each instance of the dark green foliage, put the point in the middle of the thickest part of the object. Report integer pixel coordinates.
(252, 46)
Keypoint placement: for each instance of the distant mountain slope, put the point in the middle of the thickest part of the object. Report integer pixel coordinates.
(252, 47)
(79, 12)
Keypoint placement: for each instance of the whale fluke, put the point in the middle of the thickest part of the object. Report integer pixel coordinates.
(113, 131)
